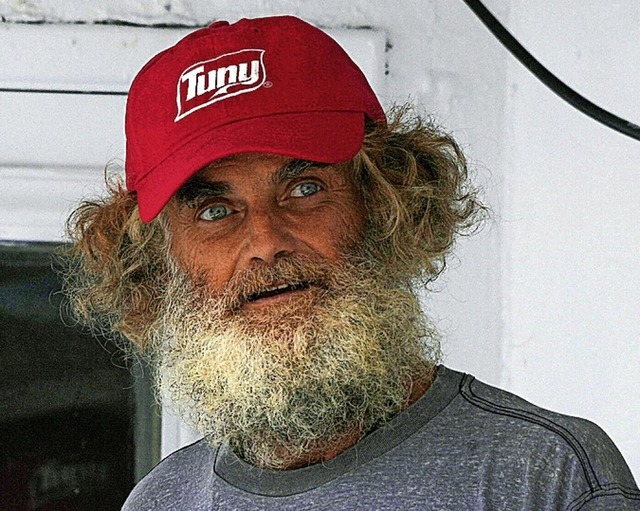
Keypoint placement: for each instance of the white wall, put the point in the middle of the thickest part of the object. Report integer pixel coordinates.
(570, 229)
(543, 301)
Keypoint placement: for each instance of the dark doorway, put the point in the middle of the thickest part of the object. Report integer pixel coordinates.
(78, 426)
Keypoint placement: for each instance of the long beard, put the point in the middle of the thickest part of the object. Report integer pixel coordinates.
(338, 359)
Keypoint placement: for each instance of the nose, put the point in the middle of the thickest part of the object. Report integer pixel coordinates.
(268, 237)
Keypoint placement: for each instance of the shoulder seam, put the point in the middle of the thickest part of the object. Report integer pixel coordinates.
(608, 490)
(468, 394)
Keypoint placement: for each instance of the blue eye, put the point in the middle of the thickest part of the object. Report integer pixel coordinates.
(215, 212)
(305, 189)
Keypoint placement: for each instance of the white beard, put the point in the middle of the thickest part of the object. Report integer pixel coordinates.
(281, 384)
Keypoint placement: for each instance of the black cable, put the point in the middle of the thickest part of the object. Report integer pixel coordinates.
(546, 77)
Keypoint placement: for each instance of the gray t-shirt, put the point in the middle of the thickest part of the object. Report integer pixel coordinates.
(463, 445)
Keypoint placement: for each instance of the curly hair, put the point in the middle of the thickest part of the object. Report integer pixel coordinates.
(114, 270)
(416, 186)
(415, 183)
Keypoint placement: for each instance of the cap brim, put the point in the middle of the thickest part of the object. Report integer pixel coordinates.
(326, 137)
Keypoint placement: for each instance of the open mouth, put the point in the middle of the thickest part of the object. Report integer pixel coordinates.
(277, 290)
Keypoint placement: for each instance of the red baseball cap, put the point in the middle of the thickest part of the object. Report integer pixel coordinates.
(275, 85)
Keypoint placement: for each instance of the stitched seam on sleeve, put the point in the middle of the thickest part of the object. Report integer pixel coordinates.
(589, 472)
(609, 490)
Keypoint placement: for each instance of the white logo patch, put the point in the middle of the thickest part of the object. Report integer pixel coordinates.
(210, 81)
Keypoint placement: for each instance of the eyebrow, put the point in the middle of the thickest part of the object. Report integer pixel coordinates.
(294, 168)
(195, 190)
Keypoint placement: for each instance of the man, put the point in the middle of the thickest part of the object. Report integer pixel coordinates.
(263, 256)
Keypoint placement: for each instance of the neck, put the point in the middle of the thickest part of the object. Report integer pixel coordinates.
(333, 448)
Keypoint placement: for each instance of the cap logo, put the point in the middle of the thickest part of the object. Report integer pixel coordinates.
(223, 77)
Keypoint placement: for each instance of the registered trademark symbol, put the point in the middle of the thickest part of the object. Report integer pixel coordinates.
(267, 84)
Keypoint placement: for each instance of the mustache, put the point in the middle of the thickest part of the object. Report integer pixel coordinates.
(286, 273)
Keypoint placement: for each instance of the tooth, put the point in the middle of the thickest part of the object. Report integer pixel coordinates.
(277, 288)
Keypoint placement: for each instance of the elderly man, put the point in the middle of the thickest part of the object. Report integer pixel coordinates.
(264, 254)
